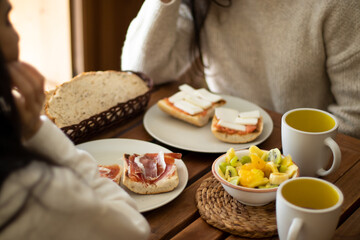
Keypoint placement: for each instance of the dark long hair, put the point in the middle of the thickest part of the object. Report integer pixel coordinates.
(10, 135)
(199, 11)
(13, 155)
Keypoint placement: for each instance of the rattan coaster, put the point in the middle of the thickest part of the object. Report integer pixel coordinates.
(222, 211)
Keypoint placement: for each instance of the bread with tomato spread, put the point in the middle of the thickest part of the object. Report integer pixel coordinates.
(200, 119)
(195, 106)
(151, 173)
(231, 135)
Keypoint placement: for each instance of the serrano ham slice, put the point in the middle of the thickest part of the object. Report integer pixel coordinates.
(112, 172)
(151, 173)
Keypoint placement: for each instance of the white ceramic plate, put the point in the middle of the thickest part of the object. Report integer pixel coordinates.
(179, 134)
(111, 151)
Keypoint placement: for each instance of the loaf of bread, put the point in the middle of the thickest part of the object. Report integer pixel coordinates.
(91, 93)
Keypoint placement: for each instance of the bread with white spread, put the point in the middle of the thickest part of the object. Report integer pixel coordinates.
(193, 106)
(232, 126)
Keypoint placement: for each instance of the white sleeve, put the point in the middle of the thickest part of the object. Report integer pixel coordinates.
(100, 210)
(64, 206)
(53, 144)
(89, 195)
(158, 41)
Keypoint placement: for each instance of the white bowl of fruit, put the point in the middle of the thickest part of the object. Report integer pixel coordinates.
(252, 176)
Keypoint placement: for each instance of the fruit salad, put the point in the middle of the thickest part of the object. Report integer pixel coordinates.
(259, 169)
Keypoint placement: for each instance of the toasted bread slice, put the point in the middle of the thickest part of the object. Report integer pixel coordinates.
(232, 136)
(200, 119)
(165, 183)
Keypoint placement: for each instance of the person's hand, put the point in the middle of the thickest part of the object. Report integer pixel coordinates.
(28, 92)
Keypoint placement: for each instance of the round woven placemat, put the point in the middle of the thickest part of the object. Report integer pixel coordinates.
(222, 211)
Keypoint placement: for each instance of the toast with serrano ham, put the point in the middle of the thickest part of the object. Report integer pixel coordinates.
(151, 173)
(112, 172)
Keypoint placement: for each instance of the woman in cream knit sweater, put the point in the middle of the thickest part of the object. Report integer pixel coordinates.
(278, 54)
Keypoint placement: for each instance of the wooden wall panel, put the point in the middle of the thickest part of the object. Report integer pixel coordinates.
(105, 24)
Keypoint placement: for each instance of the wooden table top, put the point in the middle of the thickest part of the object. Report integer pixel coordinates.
(180, 219)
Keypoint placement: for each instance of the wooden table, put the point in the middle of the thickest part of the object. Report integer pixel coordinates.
(180, 218)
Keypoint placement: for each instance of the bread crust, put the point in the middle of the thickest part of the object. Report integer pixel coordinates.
(235, 137)
(165, 184)
(199, 119)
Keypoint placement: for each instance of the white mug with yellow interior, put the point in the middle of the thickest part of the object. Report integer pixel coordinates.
(307, 208)
(307, 134)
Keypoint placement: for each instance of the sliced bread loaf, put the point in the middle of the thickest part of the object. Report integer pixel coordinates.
(91, 93)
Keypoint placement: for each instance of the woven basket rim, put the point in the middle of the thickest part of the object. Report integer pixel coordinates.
(76, 129)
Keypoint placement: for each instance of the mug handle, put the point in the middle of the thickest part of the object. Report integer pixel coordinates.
(294, 229)
(336, 157)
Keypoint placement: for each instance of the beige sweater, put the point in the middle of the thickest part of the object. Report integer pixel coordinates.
(279, 54)
(69, 201)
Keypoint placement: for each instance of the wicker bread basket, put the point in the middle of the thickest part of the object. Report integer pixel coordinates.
(105, 120)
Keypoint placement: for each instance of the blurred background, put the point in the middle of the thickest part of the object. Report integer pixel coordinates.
(64, 38)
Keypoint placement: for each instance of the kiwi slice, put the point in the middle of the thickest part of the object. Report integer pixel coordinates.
(230, 172)
(283, 168)
(274, 156)
(222, 166)
(235, 161)
(245, 159)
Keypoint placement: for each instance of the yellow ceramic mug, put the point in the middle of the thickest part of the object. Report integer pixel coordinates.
(305, 207)
(307, 135)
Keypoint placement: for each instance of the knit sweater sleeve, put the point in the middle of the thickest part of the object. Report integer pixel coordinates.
(158, 41)
(76, 198)
(342, 42)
